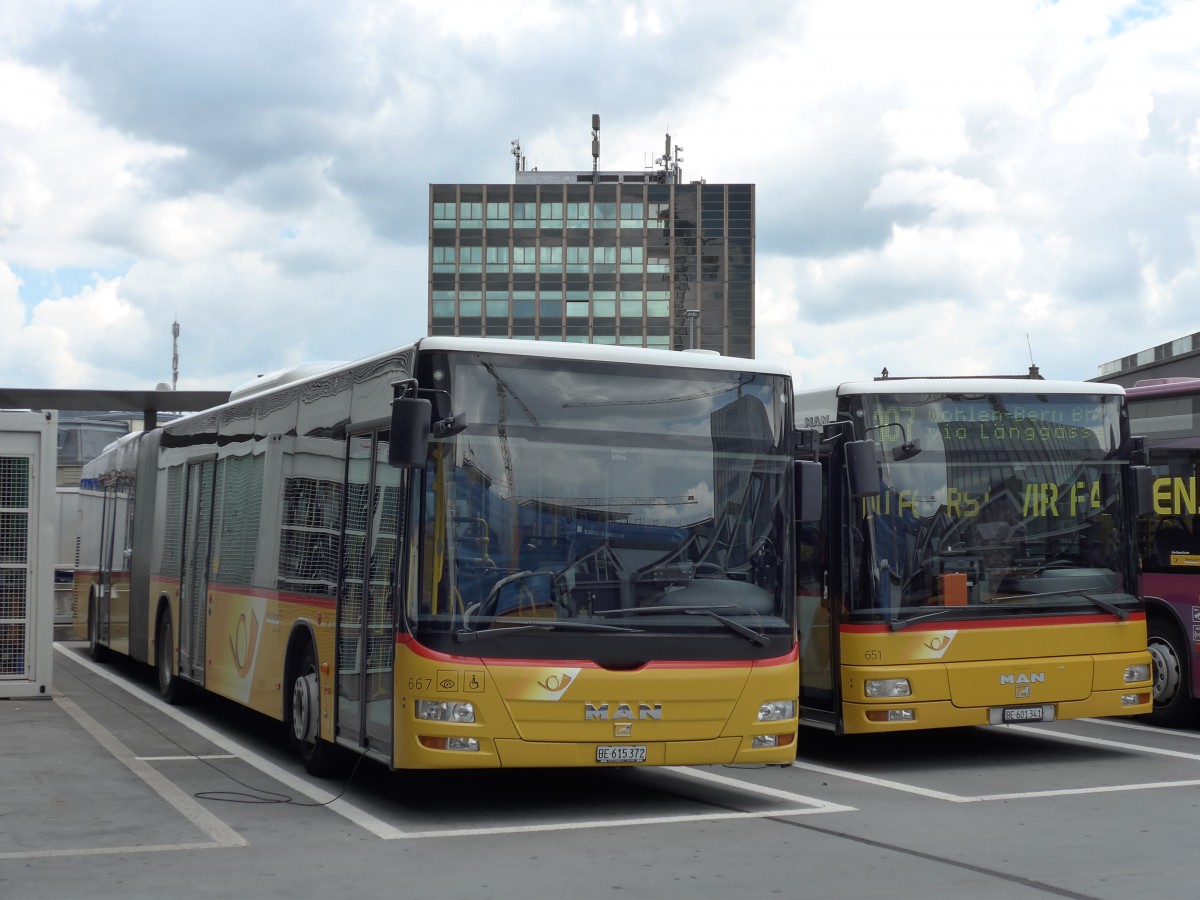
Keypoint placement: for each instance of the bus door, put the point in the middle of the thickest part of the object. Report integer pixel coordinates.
(818, 626)
(366, 600)
(818, 611)
(108, 518)
(193, 582)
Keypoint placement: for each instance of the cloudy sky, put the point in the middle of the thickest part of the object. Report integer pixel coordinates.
(943, 187)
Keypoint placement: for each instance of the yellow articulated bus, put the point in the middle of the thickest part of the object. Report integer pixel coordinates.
(470, 553)
(975, 562)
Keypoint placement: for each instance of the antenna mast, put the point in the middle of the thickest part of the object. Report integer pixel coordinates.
(595, 144)
(670, 173)
(174, 354)
(1033, 369)
(519, 158)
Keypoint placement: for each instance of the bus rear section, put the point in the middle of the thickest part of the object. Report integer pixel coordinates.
(975, 565)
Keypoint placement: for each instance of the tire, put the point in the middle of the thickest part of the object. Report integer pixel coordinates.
(304, 725)
(1170, 658)
(96, 650)
(170, 688)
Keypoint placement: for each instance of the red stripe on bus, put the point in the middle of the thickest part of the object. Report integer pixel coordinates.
(421, 650)
(1023, 622)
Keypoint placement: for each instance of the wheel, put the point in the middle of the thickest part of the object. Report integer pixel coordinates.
(305, 735)
(1169, 656)
(170, 688)
(96, 650)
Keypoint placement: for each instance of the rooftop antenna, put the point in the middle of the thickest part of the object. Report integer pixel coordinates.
(670, 160)
(595, 144)
(519, 159)
(175, 354)
(665, 162)
(1033, 369)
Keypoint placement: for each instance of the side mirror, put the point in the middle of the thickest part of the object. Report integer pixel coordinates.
(1137, 451)
(805, 442)
(1143, 490)
(808, 491)
(862, 468)
(409, 441)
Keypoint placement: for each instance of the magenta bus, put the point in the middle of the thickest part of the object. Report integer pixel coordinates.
(1166, 411)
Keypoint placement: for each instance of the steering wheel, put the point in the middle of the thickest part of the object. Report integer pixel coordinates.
(491, 603)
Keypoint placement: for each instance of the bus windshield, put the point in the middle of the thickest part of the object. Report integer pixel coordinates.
(586, 496)
(992, 505)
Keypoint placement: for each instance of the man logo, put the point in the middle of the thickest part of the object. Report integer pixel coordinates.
(621, 712)
(1023, 678)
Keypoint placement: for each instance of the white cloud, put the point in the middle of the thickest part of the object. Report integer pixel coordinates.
(935, 180)
(75, 341)
(939, 190)
(925, 135)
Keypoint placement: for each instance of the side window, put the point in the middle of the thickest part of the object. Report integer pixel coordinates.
(1170, 539)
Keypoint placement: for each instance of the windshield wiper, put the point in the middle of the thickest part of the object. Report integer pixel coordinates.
(897, 623)
(756, 638)
(1120, 612)
(466, 634)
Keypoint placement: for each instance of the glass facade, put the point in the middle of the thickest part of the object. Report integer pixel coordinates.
(616, 262)
(1176, 349)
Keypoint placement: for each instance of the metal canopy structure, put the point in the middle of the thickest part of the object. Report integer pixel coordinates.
(148, 403)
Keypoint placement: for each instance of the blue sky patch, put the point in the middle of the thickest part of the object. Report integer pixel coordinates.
(43, 284)
(1135, 14)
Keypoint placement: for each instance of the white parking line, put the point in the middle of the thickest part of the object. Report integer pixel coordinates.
(1106, 789)
(358, 816)
(220, 834)
(196, 756)
(386, 831)
(807, 806)
(614, 823)
(787, 796)
(1101, 742)
(879, 782)
(1142, 726)
(1026, 795)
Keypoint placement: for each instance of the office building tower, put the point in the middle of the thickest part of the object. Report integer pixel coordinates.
(632, 258)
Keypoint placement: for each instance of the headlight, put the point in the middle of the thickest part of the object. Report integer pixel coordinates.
(445, 711)
(777, 710)
(1140, 672)
(880, 688)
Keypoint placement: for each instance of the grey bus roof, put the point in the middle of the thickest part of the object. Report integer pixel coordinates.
(967, 385)
(634, 356)
(605, 353)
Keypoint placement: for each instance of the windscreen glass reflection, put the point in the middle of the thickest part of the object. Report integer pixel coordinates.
(588, 492)
(990, 504)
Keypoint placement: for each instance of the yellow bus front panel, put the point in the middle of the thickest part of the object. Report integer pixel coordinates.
(981, 673)
(536, 713)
